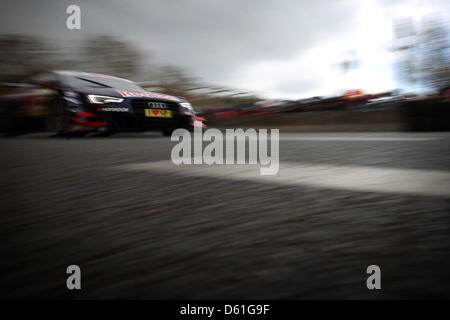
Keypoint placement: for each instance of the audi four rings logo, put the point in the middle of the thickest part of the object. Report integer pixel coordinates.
(158, 105)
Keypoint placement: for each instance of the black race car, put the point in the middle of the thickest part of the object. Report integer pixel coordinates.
(81, 102)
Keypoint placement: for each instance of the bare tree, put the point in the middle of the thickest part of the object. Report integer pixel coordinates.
(423, 52)
(21, 56)
(107, 54)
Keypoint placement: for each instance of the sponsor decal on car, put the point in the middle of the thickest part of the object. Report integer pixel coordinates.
(113, 109)
(147, 94)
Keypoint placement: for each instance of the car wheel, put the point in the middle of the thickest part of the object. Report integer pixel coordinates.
(57, 118)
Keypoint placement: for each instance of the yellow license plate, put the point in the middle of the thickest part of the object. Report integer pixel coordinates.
(158, 113)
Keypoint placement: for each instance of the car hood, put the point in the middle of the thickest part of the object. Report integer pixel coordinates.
(133, 94)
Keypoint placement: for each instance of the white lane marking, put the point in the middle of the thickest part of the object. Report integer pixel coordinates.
(353, 178)
(344, 138)
(341, 138)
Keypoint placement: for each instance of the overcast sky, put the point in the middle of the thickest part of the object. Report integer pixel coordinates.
(276, 48)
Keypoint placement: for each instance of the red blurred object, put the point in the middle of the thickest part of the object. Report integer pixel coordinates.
(198, 118)
(89, 123)
(87, 114)
(351, 94)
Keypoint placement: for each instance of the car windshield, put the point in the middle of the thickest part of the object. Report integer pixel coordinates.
(90, 80)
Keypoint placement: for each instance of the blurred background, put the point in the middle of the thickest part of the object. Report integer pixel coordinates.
(354, 85)
(284, 59)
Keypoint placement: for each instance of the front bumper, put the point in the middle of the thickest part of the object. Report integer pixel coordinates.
(129, 122)
(130, 116)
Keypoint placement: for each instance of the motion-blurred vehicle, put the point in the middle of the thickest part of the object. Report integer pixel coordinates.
(80, 102)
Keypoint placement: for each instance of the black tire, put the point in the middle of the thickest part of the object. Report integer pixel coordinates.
(56, 120)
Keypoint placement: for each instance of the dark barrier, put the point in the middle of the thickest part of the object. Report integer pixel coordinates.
(345, 120)
(417, 115)
(426, 115)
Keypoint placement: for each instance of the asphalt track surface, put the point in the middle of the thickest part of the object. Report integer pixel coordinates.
(141, 227)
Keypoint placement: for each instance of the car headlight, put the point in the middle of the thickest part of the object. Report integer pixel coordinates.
(103, 99)
(186, 105)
